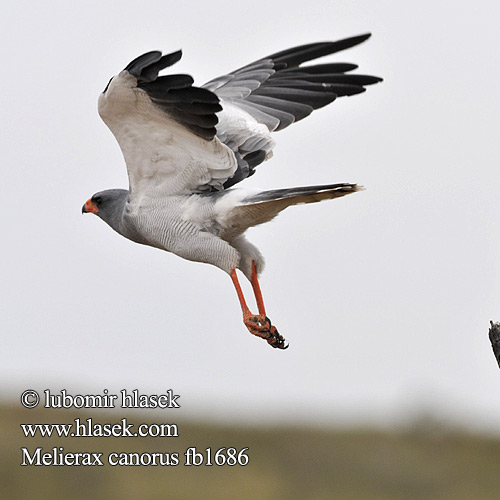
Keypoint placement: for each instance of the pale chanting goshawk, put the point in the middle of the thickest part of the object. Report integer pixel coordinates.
(185, 148)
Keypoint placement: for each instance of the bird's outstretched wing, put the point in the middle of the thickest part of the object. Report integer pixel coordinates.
(166, 129)
(181, 139)
(276, 91)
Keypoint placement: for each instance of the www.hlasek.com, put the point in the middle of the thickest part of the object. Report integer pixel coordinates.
(82, 428)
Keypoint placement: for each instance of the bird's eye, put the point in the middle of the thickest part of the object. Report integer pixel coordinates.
(97, 200)
(104, 91)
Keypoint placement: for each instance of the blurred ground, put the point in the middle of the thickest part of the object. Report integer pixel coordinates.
(427, 461)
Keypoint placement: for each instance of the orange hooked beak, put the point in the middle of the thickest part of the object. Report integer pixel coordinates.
(89, 207)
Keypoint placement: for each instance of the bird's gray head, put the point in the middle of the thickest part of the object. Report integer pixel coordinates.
(108, 205)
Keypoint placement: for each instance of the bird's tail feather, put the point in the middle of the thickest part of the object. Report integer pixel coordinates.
(305, 194)
(264, 206)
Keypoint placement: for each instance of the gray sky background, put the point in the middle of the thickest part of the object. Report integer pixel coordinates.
(385, 296)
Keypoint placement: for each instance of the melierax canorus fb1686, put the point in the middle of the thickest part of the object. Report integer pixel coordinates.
(185, 148)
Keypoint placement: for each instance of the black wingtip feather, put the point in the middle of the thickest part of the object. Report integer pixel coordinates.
(150, 73)
(321, 69)
(136, 66)
(297, 55)
(319, 78)
(163, 84)
(147, 66)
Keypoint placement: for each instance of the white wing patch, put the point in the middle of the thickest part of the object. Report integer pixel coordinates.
(242, 132)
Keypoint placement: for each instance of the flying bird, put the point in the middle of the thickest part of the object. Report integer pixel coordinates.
(185, 147)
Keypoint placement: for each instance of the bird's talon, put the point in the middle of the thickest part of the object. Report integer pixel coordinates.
(276, 340)
(268, 324)
(262, 327)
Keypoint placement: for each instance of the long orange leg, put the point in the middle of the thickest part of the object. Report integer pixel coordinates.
(259, 325)
(256, 290)
(239, 291)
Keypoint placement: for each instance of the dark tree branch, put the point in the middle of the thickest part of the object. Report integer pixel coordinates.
(495, 340)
